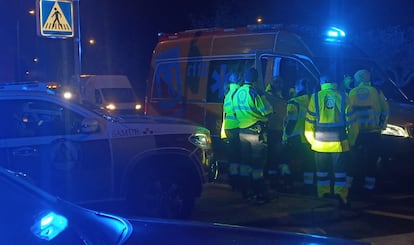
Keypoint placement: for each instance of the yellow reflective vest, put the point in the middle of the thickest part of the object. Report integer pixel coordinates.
(370, 108)
(229, 117)
(330, 125)
(294, 123)
(250, 106)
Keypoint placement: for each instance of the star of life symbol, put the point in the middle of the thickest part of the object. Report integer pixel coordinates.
(329, 102)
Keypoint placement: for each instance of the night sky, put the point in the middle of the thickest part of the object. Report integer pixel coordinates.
(131, 26)
(126, 30)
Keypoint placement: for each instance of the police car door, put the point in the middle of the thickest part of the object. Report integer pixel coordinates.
(44, 140)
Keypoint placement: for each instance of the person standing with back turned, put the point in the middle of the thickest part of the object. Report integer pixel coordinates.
(294, 134)
(251, 109)
(371, 113)
(230, 132)
(330, 130)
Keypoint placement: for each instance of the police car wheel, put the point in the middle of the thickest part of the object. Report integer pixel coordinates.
(161, 196)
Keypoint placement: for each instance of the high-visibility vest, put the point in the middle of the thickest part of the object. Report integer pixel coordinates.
(329, 123)
(250, 106)
(370, 108)
(229, 117)
(294, 123)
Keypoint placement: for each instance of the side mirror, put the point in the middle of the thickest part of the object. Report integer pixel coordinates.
(89, 125)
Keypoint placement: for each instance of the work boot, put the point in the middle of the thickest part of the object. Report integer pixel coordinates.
(272, 179)
(286, 184)
(342, 204)
(262, 199)
(234, 182)
(261, 191)
(309, 190)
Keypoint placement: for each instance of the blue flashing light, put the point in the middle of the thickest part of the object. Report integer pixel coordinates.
(49, 226)
(335, 34)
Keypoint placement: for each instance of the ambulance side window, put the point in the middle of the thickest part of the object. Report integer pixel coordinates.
(218, 76)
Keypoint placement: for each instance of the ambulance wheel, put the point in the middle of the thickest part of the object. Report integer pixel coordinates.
(161, 195)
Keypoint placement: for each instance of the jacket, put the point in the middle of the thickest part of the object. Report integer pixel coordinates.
(250, 106)
(370, 107)
(294, 123)
(329, 123)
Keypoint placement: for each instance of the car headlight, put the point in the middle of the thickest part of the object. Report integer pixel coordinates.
(201, 140)
(395, 130)
(138, 107)
(110, 107)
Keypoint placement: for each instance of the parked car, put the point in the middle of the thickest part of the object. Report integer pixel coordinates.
(32, 216)
(156, 165)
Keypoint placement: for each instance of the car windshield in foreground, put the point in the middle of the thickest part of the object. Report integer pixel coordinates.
(32, 216)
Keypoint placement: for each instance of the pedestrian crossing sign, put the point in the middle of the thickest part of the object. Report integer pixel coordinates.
(56, 18)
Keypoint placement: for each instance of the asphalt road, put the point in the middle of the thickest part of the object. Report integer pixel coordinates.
(385, 219)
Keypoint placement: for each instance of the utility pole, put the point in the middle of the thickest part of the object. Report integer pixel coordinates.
(77, 48)
(18, 69)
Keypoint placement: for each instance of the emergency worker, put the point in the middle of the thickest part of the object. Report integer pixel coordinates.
(330, 130)
(251, 109)
(274, 170)
(371, 112)
(230, 132)
(348, 83)
(299, 149)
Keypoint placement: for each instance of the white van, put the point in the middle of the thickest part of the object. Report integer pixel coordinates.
(109, 92)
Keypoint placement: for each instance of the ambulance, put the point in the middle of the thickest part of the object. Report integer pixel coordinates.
(189, 71)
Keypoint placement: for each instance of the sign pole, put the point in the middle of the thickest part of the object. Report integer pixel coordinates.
(77, 48)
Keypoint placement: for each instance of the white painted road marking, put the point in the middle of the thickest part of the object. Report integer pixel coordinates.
(389, 214)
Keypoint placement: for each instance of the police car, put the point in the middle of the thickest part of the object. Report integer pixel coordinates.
(155, 165)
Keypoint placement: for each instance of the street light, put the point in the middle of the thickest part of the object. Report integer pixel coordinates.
(91, 41)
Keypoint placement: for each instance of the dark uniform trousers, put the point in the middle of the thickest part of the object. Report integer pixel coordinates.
(302, 162)
(366, 153)
(328, 163)
(253, 159)
(234, 157)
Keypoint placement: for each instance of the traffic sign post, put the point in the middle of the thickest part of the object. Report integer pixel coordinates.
(55, 18)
